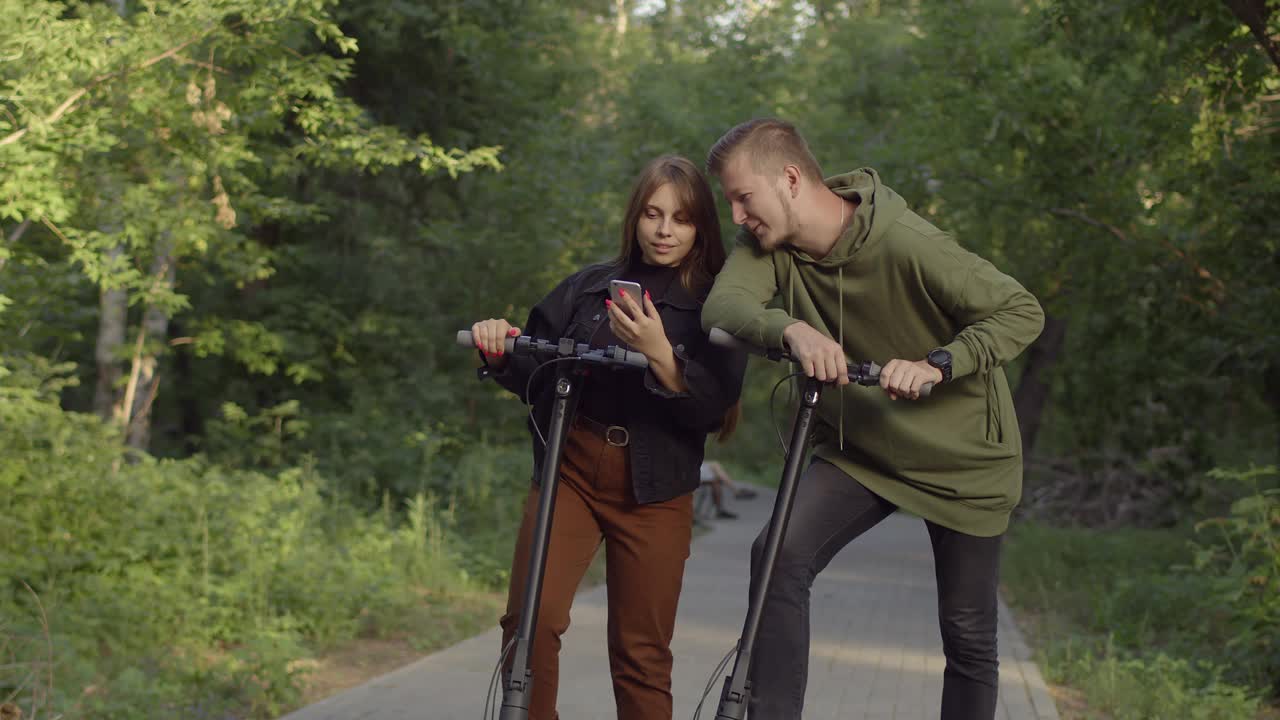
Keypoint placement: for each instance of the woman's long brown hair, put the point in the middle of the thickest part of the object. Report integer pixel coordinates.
(699, 268)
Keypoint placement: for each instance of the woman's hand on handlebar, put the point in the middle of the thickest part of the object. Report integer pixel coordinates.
(490, 337)
(903, 378)
(821, 357)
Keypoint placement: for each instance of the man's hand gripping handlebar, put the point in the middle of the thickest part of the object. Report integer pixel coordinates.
(865, 373)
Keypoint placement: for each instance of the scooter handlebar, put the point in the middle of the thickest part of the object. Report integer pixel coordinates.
(612, 355)
(627, 357)
(864, 373)
(724, 339)
(465, 339)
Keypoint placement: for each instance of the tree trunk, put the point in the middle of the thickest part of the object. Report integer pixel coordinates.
(186, 393)
(1257, 16)
(113, 312)
(13, 239)
(620, 17)
(1033, 389)
(113, 308)
(1271, 392)
(155, 327)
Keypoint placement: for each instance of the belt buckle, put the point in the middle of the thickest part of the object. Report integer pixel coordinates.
(609, 435)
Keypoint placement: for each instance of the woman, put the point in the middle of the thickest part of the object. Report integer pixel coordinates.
(633, 449)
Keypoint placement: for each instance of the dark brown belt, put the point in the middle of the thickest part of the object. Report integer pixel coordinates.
(615, 435)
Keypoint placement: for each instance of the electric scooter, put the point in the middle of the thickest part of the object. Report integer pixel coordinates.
(737, 690)
(571, 360)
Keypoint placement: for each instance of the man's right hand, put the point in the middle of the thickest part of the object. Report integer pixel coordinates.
(821, 357)
(490, 336)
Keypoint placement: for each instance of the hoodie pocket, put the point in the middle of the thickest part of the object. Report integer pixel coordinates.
(995, 426)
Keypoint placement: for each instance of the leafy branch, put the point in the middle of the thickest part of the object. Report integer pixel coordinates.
(69, 104)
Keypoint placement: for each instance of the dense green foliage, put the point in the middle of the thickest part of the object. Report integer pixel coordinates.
(237, 237)
(193, 587)
(1159, 623)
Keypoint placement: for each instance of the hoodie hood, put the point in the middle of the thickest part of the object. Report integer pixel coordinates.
(879, 207)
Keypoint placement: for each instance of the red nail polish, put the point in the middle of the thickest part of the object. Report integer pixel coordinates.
(607, 302)
(623, 293)
(646, 295)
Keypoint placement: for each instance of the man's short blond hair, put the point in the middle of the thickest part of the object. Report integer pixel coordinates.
(770, 143)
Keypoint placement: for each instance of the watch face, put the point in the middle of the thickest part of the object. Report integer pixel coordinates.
(940, 359)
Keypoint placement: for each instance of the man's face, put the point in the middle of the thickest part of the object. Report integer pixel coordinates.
(759, 204)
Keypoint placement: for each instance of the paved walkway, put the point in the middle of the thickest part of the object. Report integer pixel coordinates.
(876, 651)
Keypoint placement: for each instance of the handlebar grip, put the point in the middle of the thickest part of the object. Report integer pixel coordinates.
(871, 371)
(615, 354)
(465, 339)
(723, 339)
(635, 359)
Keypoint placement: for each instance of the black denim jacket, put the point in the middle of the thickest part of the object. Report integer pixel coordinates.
(668, 430)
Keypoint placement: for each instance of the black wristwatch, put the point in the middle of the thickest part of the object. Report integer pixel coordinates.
(940, 359)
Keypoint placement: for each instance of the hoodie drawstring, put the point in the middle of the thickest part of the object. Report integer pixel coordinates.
(840, 331)
(791, 290)
(791, 310)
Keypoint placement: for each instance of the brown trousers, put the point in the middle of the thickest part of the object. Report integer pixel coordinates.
(645, 551)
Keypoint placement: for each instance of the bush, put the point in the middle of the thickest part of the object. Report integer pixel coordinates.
(1239, 555)
(1138, 688)
(1157, 623)
(186, 585)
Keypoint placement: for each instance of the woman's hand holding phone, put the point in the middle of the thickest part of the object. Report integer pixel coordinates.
(636, 322)
(490, 337)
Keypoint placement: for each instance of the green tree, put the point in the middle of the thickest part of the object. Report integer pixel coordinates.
(163, 138)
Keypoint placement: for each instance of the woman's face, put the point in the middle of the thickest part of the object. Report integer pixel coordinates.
(665, 232)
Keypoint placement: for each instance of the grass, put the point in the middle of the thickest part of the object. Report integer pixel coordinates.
(444, 617)
(1122, 629)
(440, 620)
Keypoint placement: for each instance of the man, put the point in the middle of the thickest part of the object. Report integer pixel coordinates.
(860, 276)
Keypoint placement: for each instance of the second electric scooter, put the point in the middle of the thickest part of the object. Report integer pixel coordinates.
(737, 690)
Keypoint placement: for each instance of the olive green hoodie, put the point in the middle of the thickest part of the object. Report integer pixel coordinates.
(895, 286)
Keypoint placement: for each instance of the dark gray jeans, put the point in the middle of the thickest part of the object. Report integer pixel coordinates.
(830, 510)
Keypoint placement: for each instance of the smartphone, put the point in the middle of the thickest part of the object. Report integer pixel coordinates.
(633, 289)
